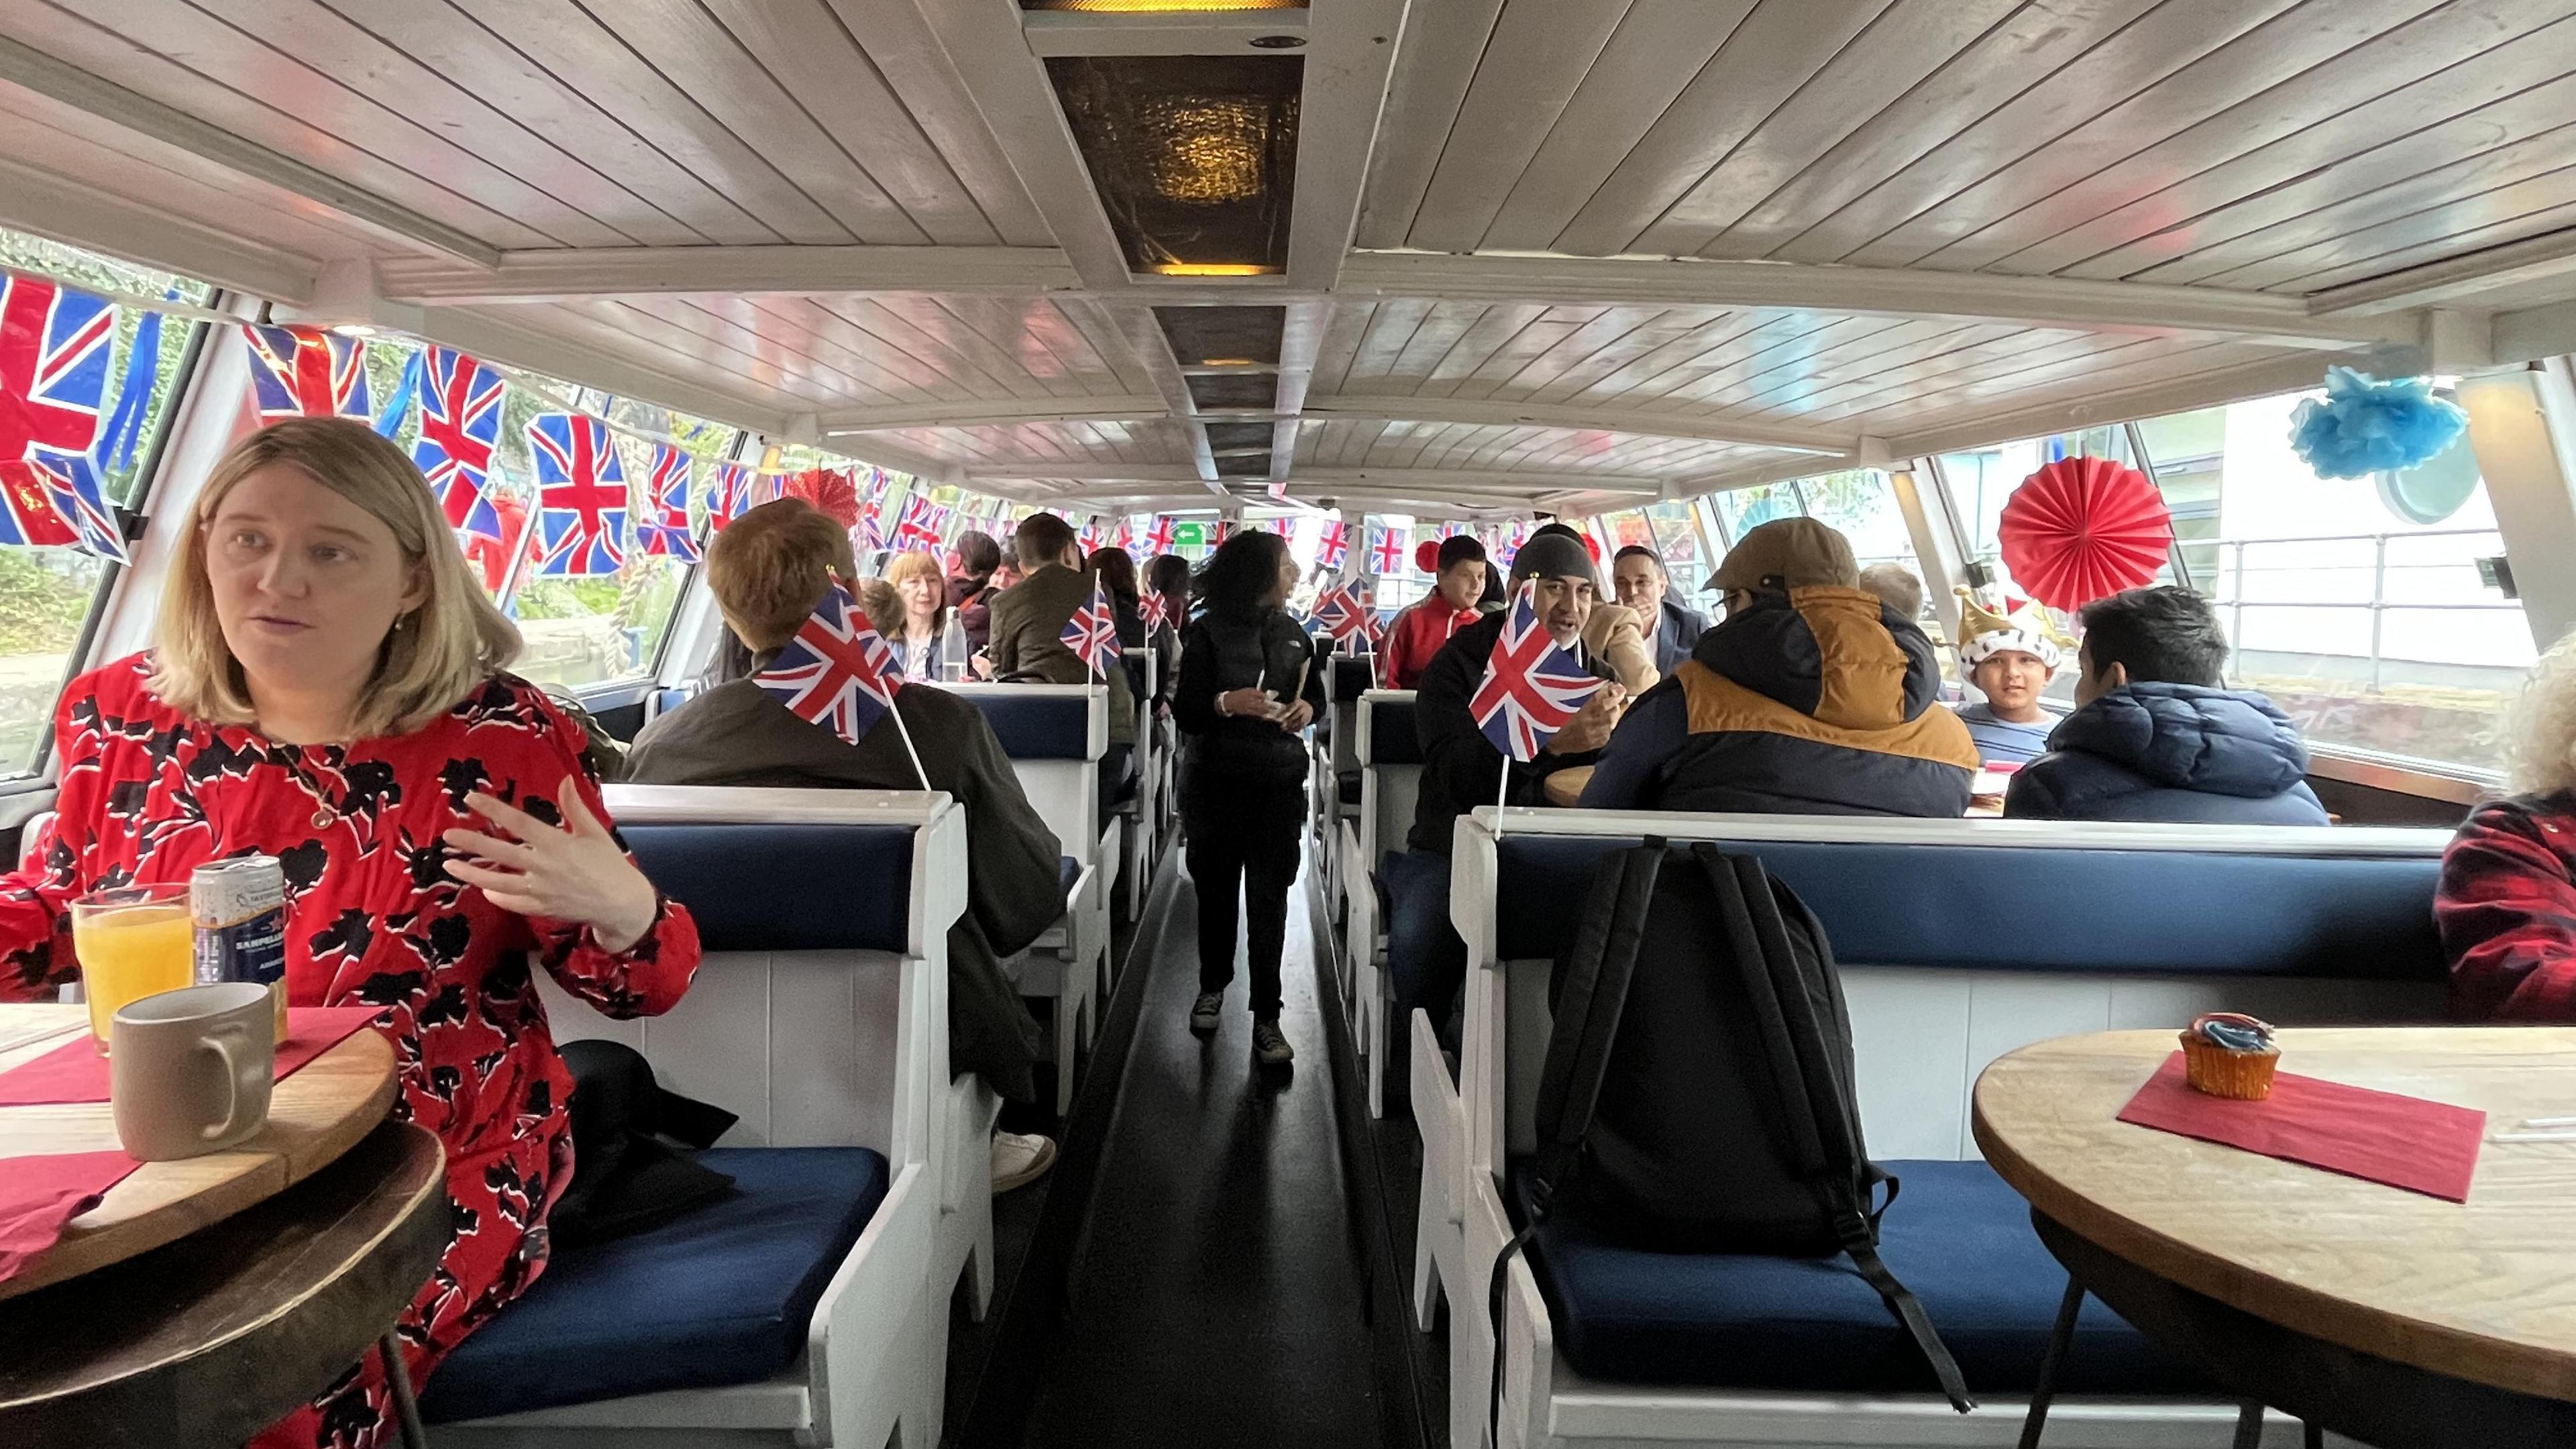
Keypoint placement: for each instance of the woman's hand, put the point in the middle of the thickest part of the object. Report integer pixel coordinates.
(1246, 704)
(1296, 717)
(574, 874)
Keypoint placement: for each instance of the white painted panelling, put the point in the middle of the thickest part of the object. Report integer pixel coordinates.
(715, 1044)
(1910, 1039)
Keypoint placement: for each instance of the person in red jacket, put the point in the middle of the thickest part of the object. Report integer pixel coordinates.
(1450, 606)
(2506, 905)
(327, 687)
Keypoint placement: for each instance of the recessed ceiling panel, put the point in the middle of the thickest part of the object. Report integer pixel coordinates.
(1193, 156)
(1206, 336)
(1234, 390)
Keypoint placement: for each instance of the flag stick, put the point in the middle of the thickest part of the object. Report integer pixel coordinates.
(905, 730)
(1502, 797)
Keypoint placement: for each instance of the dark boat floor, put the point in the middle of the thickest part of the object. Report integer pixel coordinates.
(1220, 1255)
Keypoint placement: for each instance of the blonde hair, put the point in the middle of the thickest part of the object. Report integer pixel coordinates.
(768, 569)
(433, 657)
(911, 566)
(2539, 726)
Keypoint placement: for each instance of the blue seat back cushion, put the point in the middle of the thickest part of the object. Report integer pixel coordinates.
(721, 1295)
(1037, 727)
(752, 887)
(1067, 871)
(1353, 675)
(1392, 740)
(1898, 905)
(1958, 1237)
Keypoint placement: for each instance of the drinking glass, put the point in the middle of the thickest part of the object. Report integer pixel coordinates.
(133, 942)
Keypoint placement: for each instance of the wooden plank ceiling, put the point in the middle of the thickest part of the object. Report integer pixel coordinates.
(1596, 249)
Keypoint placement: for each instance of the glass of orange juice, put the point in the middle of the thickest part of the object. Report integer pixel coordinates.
(133, 942)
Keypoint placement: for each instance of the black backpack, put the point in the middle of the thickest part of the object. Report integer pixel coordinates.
(1697, 1097)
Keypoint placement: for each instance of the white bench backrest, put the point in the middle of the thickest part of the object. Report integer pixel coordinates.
(1388, 793)
(1064, 792)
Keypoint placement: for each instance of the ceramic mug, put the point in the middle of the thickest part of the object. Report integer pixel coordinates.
(190, 1070)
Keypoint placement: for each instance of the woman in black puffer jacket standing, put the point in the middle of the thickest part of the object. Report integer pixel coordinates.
(1247, 691)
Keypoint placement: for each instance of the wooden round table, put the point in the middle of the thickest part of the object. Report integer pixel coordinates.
(2381, 1313)
(315, 1115)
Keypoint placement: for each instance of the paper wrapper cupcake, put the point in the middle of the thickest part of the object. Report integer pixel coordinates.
(2230, 1054)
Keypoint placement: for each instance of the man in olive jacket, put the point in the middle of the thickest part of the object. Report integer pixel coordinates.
(1027, 640)
(766, 571)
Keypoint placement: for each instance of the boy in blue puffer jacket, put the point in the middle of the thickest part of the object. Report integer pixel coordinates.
(2156, 736)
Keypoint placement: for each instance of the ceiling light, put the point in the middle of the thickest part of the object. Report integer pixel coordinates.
(354, 329)
(1158, 7)
(1214, 269)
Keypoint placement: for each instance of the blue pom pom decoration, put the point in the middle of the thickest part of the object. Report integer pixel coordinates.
(2364, 426)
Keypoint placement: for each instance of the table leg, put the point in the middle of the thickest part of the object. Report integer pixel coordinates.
(2059, 1339)
(398, 1379)
(2312, 1435)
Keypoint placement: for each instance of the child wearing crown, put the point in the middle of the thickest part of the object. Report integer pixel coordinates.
(2009, 656)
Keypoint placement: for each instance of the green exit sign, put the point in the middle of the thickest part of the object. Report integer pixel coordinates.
(1189, 535)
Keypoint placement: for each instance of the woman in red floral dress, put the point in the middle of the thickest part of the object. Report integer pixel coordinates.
(327, 689)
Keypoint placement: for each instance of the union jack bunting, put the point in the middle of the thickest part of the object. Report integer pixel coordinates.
(1158, 538)
(838, 672)
(71, 485)
(307, 372)
(1153, 611)
(54, 346)
(921, 525)
(1092, 632)
(665, 530)
(1088, 536)
(1336, 545)
(581, 490)
(728, 495)
(460, 424)
(1386, 552)
(1532, 685)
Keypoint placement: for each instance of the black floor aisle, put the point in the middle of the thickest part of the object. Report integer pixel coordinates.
(1214, 1298)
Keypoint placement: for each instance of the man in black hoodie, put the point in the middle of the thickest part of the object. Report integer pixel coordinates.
(2155, 736)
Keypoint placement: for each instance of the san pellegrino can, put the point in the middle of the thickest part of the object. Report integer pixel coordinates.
(239, 906)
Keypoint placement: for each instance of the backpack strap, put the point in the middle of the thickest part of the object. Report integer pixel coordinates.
(1589, 1000)
(1756, 940)
(1860, 1240)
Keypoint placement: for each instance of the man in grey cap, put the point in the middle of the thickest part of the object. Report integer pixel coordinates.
(1461, 769)
(1813, 697)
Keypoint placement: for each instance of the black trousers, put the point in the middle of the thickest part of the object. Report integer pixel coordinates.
(1243, 836)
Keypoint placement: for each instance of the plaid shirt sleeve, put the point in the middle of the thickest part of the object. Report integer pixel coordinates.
(2506, 909)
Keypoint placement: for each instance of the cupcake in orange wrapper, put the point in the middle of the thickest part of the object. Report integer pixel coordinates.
(2230, 1054)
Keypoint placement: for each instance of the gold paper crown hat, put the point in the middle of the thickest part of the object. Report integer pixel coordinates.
(1986, 632)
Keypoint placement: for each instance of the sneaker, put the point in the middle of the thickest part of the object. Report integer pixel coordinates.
(1020, 1159)
(1270, 1045)
(1205, 1011)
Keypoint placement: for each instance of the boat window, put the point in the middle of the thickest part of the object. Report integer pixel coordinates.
(2363, 607)
(50, 592)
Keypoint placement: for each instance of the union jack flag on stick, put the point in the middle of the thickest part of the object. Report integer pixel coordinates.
(308, 372)
(1153, 611)
(840, 674)
(1158, 539)
(53, 381)
(581, 494)
(1336, 546)
(1386, 551)
(1532, 687)
(1092, 632)
(666, 504)
(1342, 614)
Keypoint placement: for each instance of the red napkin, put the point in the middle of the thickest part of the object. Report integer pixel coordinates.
(2383, 1137)
(76, 1072)
(38, 1195)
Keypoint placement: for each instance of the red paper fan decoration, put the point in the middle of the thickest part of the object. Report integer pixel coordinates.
(1426, 555)
(830, 491)
(2083, 528)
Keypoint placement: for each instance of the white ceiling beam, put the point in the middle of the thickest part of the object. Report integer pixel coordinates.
(2453, 279)
(888, 454)
(988, 45)
(988, 413)
(48, 205)
(1348, 67)
(2075, 407)
(1516, 484)
(2056, 302)
(495, 339)
(2530, 333)
(571, 274)
(48, 76)
(1182, 33)
(1484, 412)
(1301, 337)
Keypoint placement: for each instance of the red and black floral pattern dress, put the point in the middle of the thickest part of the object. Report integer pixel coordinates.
(373, 918)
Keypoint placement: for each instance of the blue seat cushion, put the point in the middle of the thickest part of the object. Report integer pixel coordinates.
(721, 1295)
(1957, 1236)
(749, 886)
(1067, 871)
